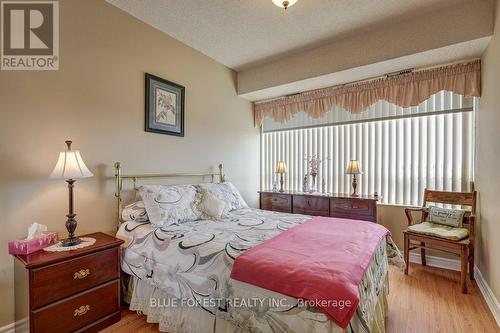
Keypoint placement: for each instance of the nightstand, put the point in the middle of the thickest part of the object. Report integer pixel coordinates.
(71, 291)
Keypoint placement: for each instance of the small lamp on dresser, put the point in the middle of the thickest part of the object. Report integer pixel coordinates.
(281, 170)
(354, 168)
(70, 167)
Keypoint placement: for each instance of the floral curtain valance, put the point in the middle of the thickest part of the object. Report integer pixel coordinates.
(405, 91)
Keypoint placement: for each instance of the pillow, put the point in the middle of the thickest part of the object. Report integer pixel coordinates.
(226, 192)
(167, 204)
(450, 217)
(135, 212)
(212, 207)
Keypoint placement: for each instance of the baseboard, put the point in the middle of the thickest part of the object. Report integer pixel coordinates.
(19, 326)
(488, 295)
(454, 264)
(446, 263)
(9, 328)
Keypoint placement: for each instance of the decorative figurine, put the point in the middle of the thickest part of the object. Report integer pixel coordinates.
(275, 187)
(305, 183)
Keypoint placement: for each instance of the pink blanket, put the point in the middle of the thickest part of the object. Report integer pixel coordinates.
(321, 261)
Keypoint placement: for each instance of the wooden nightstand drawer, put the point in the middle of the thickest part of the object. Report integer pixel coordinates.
(78, 311)
(353, 208)
(276, 202)
(310, 205)
(69, 277)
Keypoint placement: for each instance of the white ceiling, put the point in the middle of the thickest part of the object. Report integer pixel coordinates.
(243, 33)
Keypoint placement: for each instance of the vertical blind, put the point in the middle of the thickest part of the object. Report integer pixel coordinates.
(401, 150)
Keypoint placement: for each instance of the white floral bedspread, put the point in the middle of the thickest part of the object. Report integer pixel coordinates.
(193, 261)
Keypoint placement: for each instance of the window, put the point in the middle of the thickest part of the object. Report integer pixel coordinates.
(401, 150)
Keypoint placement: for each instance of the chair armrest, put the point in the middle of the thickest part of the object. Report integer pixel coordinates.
(409, 210)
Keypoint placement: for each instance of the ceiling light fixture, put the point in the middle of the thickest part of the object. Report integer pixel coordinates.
(284, 3)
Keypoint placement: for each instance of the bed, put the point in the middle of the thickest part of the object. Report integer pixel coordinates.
(180, 275)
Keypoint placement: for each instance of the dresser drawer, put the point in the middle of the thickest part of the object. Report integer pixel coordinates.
(353, 209)
(69, 277)
(276, 202)
(78, 311)
(310, 205)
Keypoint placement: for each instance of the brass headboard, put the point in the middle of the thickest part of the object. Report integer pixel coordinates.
(119, 178)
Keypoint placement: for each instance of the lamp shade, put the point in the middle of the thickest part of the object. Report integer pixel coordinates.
(281, 167)
(354, 168)
(70, 165)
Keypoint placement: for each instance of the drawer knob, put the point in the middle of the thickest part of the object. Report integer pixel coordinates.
(81, 274)
(82, 310)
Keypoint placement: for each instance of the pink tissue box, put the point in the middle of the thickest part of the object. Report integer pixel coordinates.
(27, 246)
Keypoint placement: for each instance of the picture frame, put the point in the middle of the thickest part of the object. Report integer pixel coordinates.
(164, 106)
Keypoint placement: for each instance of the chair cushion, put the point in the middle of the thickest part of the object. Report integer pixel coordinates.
(439, 230)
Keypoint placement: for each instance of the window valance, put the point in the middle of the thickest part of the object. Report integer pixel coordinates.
(403, 90)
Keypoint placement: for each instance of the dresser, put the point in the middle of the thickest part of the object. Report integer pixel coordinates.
(320, 204)
(70, 291)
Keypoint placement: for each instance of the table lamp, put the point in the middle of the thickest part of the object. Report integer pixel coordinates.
(281, 169)
(354, 168)
(70, 167)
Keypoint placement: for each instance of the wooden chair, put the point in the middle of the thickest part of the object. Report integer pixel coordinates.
(463, 248)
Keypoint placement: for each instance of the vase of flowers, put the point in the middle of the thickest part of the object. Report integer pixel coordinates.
(314, 163)
(313, 185)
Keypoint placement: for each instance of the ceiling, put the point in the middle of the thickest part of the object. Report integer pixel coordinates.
(244, 33)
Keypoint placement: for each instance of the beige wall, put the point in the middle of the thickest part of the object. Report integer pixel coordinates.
(488, 161)
(393, 218)
(461, 22)
(97, 100)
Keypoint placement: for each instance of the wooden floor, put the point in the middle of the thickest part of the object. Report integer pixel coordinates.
(428, 300)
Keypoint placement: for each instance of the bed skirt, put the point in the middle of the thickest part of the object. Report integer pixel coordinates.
(159, 307)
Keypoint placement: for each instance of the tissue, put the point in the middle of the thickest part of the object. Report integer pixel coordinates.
(37, 239)
(36, 230)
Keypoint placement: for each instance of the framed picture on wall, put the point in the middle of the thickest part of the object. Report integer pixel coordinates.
(164, 106)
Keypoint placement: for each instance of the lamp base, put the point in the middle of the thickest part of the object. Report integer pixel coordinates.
(71, 222)
(354, 186)
(282, 183)
(71, 241)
